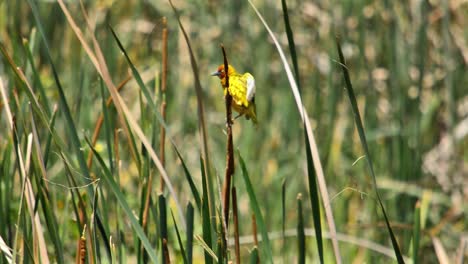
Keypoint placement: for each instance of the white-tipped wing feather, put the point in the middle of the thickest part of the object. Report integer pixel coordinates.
(250, 88)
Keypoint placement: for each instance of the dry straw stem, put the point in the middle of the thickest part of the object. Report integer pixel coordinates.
(312, 144)
(124, 113)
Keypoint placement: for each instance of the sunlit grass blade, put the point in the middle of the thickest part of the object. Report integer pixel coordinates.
(362, 137)
(124, 205)
(188, 176)
(266, 245)
(301, 241)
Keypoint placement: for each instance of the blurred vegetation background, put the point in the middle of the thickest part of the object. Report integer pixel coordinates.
(408, 65)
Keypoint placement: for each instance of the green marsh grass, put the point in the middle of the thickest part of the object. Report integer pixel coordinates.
(92, 93)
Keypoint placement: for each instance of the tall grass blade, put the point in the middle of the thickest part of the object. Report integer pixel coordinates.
(283, 218)
(28, 47)
(146, 92)
(163, 228)
(362, 137)
(179, 239)
(107, 127)
(189, 234)
(313, 190)
(301, 241)
(416, 231)
(266, 245)
(207, 249)
(313, 146)
(206, 217)
(201, 114)
(314, 199)
(199, 93)
(291, 44)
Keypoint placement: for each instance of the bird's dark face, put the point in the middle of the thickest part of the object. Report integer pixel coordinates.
(220, 72)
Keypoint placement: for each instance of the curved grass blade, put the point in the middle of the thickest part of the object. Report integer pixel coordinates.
(146, 92)
(266, 246)
(201, 113)
(123, 203)
(198, 91)
(362, 137)
(188, 176)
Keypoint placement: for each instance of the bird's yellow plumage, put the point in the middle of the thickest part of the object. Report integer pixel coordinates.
(242, 89)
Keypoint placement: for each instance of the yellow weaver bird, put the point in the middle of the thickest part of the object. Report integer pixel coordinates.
(242, 89)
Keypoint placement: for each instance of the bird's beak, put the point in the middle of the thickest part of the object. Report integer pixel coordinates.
(216, 73)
